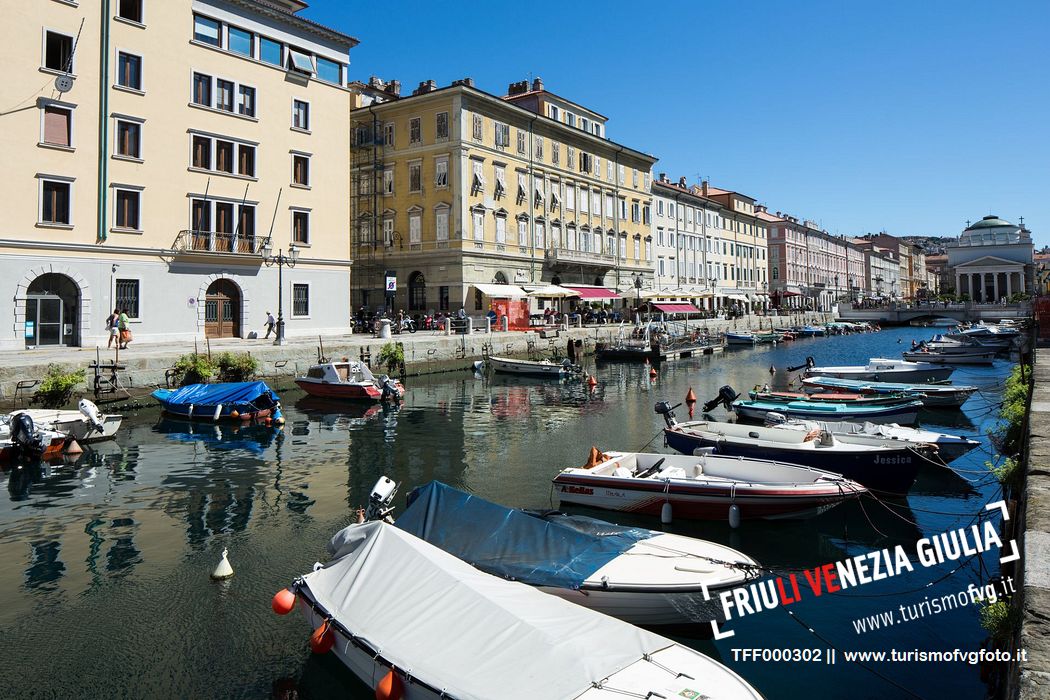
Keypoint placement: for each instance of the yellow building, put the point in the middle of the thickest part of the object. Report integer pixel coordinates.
(456, 189)
(151, 149)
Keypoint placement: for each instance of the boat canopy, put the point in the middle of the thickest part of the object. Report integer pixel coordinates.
(408, 600)
(512, 543)
(213, 394)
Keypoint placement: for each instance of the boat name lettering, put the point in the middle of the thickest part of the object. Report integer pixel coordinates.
(585, 490)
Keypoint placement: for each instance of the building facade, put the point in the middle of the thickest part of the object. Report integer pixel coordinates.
(992, 259)
(739, 249)
(685, 228)
(146, 173)
(456, 190)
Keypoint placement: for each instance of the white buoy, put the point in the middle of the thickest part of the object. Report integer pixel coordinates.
(223, 570)
(665, 513)
(734, 516)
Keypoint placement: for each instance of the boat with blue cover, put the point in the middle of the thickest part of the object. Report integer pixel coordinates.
(931, 395)
(903, 411)
(638, 575)
(230, 401)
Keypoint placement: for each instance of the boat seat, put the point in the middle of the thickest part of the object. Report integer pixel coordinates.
(623, 472)
(673, 473)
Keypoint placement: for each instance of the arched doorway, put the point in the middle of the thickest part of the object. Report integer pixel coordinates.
(222, 310)
(417, 292)
(499, 278)
(52, 311)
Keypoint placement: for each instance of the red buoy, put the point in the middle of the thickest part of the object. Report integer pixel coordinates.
(389, 687)
(283, 601)
(690, 400)
(591, 381)
(323, 639)
(652, 373)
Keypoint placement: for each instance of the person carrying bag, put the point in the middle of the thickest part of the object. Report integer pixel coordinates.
(125, 331)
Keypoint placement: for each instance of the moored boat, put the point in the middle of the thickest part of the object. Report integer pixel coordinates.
(740, 338)
(237, 401)
(951, 357)
(86, 424)
(21, 440)
(348, 380)
(641, 576)
(704, 486)
(931, 395)
(373, 605)
(882, 369)
(901, 410)
(833, 397)
(534, 368)
(880, 467)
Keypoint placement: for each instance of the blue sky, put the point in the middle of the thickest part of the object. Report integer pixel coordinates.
(908, 117)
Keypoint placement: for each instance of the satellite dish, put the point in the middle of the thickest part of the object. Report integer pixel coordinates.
(64, 82)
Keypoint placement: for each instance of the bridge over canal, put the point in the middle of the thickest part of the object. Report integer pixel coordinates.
(901, 314)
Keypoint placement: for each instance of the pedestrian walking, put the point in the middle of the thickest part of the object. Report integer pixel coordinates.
(125, 329)
(270, 324)
(112, 322)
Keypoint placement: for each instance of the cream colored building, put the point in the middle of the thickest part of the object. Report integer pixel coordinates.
(144, 168)
(456, 189)
(739, 250)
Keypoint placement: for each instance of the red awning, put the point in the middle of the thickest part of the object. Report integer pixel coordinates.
(677, 308)
(790, 294)
(593, 292)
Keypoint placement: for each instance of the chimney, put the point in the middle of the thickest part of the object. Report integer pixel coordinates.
(517, 88)
(779, 215)
(703, 187)
(375, 82)
(425, 87)
(394, 88)
(663, 177)
(681, 182)
(537, 85)
(469, 82)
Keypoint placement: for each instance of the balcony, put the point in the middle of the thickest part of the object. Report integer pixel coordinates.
(560, 258)
(217, 243)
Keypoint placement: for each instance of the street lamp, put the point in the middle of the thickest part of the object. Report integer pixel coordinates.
(280, 260)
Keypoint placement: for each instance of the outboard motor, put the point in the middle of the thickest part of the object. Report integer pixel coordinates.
(379, 500)
(390, 389)
(667, 411)
(726, 397)
(773, 418)
(24, 436)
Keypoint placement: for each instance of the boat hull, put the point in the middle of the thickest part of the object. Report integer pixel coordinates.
(908, 376)
(527, 368)
(879, 472)
(952, 358)
(351, 392)
(647, 608)
(943, 396)
(904, 413)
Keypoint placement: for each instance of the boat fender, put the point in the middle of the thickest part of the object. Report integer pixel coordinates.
(283, 601)
(73, 447)
(189, 413)
(734, 516)
(666, 514)
(323, 639)
(390, 687)
(218, 412)
(235, 414)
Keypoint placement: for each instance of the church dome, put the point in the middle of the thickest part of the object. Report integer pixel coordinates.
(991, 221)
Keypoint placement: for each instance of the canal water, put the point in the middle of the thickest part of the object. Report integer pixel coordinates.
(106, 560)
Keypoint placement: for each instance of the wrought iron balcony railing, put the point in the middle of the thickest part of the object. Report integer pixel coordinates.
(206, 242)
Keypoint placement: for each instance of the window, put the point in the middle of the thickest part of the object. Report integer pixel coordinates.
(478, 182)
(329, 71)
(388, 135)
(538, 140)
(501, 181)
(246, 100)
(388, 181)
(523, 232)
(224, 156)
(202, 152)
(300, 300)
(301, 227)
(570, 119)
(129, 139)
(415, 134)
(441, 172)
(241, 41)
(206, 30)
(555, 153)
(637, 249)
(128, 209)
(585, 123)
(58, 126)
(441, 223)
(127, 297)
(300, 115)
(58, 52)
(479, 224)
(202, 89)
(610, 202)
(570, 157)
(129, 71)
(502, 134)
(300, 170)
(388, 231)
(596, 203)
(554, 112)
(55, 199)
(570, 196)
(415, 227)
(130, 10)
(586, 162)
(441, 125)
(228, 155)
(224, 95)
(479, 126)
(646, 215)
(521, 142)
(300, 61)
(619, 174)
(270, 51)
(501, 228)
(415, 177)
(636, 212)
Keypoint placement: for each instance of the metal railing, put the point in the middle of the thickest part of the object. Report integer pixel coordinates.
(218, 242)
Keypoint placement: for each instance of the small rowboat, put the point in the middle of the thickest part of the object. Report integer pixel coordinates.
(534, 368)
(852, 399)
(704, 486)
(415, 622)
(348, 380)
(931, 395)
(740, 338)
(236, 401)
(887, 370)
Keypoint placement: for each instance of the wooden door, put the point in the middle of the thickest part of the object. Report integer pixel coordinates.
(222, 310)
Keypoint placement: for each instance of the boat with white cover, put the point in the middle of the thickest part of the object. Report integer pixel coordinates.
(949, 447)
(641, 576)
(704, 486)
(931, 395)
(534, 368)
(887, 370)
(86, 424)
(403, 612)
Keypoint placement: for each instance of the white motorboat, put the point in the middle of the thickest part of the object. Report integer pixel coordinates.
(949, 447)
(704, 486)
(641, 576)
(979, 357)
(888, 370)
(402, 613)
(349, 380)
(534, 368)
(87, 424)
(931, 395)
